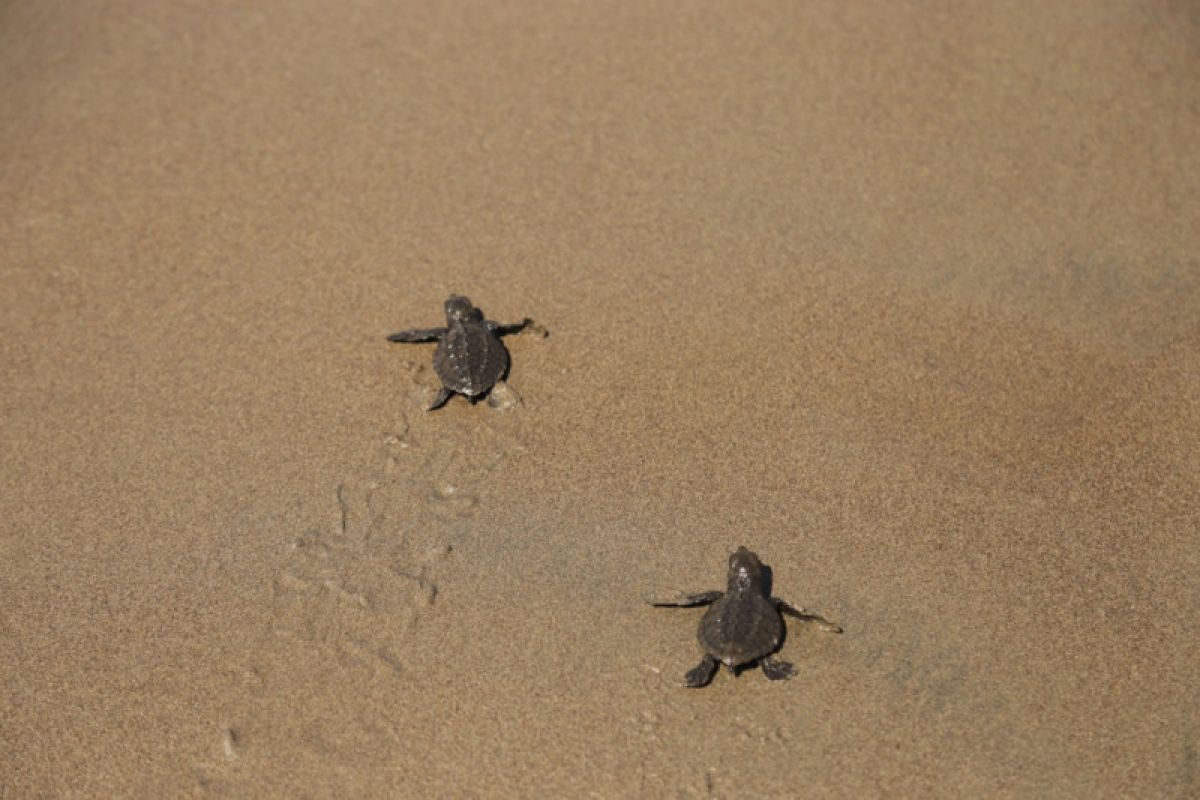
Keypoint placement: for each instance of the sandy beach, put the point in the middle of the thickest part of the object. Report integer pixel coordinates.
(903, 296)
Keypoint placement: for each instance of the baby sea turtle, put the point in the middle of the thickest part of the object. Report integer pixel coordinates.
(743, 624)
(470, 357)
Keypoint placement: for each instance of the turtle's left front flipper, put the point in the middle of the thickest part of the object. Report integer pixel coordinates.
(418, 335)
(686, 600)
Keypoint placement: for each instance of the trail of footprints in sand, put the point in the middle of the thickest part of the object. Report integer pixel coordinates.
(358, 585)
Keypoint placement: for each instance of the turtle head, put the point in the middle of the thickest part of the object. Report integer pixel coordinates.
(745, 570)
(459, 309)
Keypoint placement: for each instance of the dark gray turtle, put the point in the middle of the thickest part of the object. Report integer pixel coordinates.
(743, 624)
(470, 357)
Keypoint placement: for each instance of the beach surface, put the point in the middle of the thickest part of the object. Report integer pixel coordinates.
(903, 296)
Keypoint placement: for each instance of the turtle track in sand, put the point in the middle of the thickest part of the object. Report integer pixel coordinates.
(359, 583)
(355, 585)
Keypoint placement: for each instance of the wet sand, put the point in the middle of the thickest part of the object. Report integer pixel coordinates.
(902, 296)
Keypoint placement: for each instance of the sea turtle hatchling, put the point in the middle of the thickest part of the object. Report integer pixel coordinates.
(470, 357)
(743, 624)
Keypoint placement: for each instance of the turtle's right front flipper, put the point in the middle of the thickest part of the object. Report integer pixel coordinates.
(418, 335)
(500, 329)
(805, 615)
(687, 600)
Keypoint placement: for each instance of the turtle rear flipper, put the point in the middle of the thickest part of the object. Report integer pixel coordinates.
(701, 674)
(777, 669)
(443, 397)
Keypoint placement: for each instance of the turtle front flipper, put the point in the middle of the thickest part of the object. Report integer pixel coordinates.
(442, 398)
(687, 600)
(776, 669)
(418, 335)
(805, 615)
(500, 329)
(702, 673)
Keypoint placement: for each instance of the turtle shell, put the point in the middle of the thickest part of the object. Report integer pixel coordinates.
(740, 627)
(470, 358)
